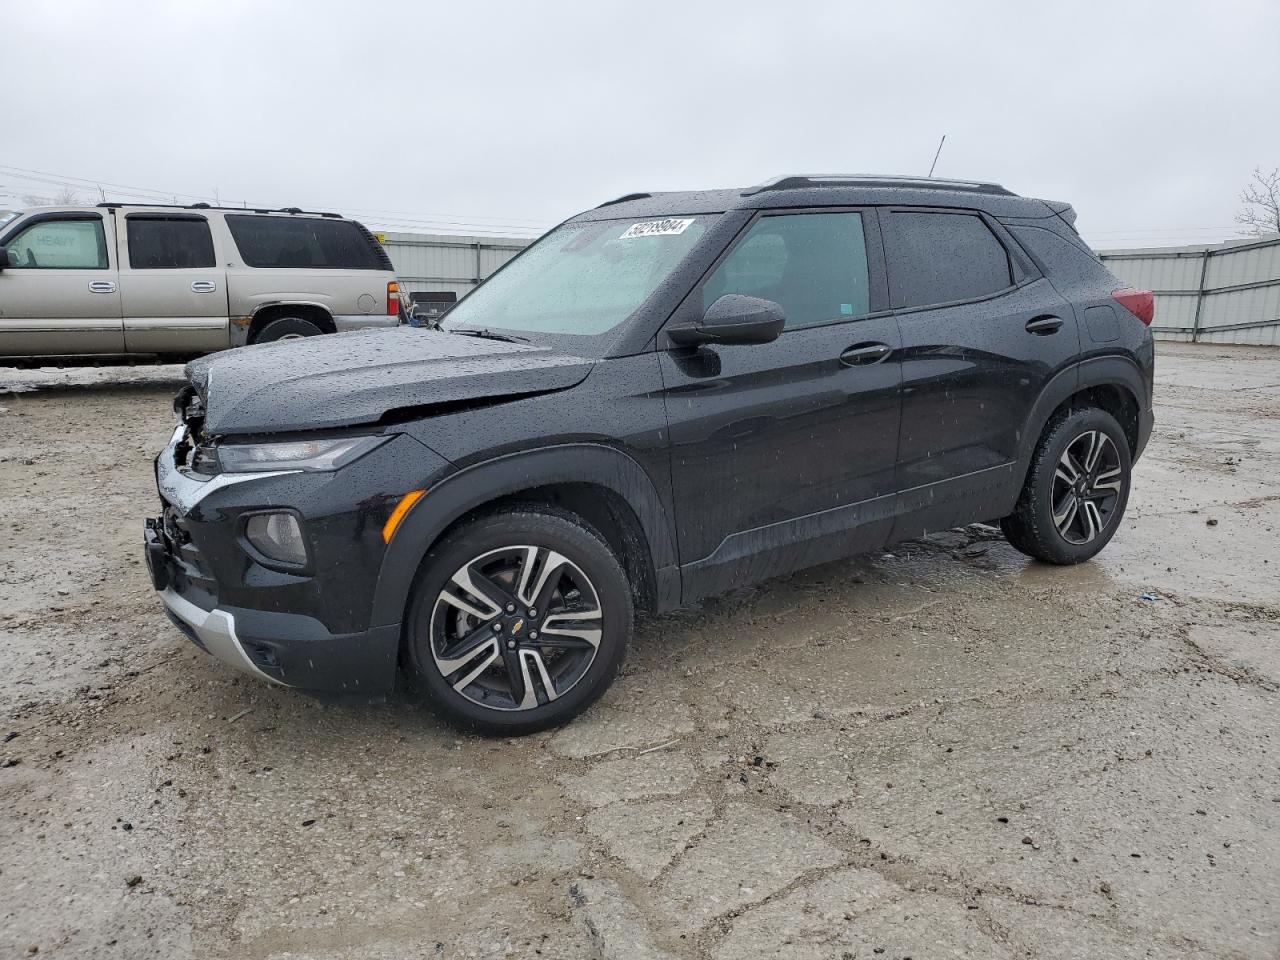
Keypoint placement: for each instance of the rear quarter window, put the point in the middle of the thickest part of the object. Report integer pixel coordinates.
(1060, 256)
(942, 258)
(306, 243)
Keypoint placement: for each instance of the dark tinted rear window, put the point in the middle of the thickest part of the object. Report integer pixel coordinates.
(306, 242)
(169, 243)
(941, 257)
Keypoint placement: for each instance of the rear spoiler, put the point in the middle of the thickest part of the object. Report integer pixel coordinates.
(1063, 210)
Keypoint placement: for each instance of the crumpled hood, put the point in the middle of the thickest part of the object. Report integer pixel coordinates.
(343, 379)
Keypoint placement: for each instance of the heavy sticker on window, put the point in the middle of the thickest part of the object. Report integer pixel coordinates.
(656, 228)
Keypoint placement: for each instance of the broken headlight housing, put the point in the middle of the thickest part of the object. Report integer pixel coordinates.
(328, 453)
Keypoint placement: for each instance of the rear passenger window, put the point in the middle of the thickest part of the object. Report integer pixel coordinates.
(306, 242)
(169, 243)
(814, 265)
(941, 257)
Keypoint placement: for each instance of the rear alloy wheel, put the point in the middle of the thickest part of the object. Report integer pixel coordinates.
(1086, 487)
(1076, 489)
(519, 622)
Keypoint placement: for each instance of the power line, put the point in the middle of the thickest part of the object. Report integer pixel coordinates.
(477, 224)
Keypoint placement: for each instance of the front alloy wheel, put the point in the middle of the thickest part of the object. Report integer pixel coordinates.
(516, 628)
(518, 621)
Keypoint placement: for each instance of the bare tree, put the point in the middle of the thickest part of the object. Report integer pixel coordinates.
(1261, 198)
(66, 197)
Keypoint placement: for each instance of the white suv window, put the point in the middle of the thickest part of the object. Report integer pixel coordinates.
(305, 242)
(60, 245)
(169, 243)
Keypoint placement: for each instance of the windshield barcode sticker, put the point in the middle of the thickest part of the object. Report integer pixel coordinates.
(656, 228)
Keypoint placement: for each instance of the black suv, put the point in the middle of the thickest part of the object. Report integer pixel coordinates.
(664, 397)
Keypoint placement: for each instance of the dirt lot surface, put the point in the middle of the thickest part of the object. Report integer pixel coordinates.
(942, 751)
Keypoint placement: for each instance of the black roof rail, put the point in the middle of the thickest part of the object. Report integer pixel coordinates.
(625, 197)
(115, 205)
(803, 181)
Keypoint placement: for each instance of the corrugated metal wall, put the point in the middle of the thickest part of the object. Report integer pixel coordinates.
(1225, 293)
(426, 261)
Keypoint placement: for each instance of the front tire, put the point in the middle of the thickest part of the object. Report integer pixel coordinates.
(518, 621)
(1076, 489)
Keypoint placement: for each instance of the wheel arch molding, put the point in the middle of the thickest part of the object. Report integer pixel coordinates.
(1116, 372)
(246, 328)
(474, 487)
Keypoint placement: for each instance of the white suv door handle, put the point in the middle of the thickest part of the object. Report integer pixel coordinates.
(203, 286)
(102, 286)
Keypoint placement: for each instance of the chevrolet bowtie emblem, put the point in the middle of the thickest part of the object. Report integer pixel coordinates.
(517, 627)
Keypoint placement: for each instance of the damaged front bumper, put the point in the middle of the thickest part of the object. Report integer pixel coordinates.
(214, 631)
(309, 628)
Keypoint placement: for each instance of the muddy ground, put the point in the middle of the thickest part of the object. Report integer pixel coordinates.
(941, 751)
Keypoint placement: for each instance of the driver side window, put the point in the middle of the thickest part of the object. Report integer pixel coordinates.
(814, 265)
(60, 245)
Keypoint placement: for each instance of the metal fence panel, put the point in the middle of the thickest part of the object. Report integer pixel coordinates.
(1224, 293)
(441, 262)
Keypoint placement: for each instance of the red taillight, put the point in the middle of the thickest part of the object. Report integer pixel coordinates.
(393, 299)
(1141, 303)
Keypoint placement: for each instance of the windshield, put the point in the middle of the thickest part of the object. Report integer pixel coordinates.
(582, 278)
(6, 216)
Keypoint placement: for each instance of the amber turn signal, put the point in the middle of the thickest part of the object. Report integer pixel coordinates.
(399, 513)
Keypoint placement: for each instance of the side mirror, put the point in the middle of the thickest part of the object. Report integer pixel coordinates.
(4, 258)
(733, 319)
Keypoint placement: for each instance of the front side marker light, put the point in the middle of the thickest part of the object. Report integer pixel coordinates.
(278, 537)
(399, 513)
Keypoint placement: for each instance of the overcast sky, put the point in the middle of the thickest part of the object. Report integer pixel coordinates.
(1148, 117)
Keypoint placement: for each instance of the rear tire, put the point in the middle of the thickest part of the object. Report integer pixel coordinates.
(286, 328)
(518, 621)
(1076, 489)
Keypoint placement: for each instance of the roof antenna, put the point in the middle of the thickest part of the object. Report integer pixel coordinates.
(938, 154)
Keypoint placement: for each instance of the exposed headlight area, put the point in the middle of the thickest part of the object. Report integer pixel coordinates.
(316, 455)
(277, 535)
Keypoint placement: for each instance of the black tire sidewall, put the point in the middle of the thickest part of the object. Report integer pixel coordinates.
(1056, 441)
(273, 330)
(566, 535)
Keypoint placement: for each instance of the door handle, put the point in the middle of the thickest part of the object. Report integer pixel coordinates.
(1043, 326)
(863, 354)
(102, 286)
(203, 286)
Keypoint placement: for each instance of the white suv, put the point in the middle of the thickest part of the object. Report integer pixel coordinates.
(115, 280)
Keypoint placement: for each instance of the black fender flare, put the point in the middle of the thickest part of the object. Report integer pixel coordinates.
(481, 483)
(1108, 371)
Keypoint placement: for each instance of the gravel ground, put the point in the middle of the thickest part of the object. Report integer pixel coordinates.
(940, 751)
